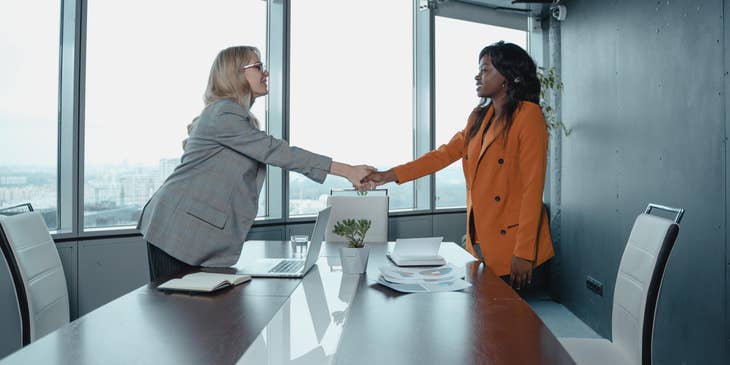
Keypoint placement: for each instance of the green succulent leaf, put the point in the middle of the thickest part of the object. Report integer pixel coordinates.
(354, 230)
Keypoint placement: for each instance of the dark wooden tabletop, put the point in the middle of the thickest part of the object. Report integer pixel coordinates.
(487, 323)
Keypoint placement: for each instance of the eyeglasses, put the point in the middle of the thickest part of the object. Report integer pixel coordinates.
(257, 65)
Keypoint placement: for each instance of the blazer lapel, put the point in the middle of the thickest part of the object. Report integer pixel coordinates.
(494, 130)
(492, 133)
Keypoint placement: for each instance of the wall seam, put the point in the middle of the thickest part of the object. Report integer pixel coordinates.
(726, 88)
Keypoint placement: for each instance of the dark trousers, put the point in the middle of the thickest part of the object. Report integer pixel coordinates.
(162, 264)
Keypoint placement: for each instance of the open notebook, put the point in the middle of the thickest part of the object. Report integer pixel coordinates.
(203, 282)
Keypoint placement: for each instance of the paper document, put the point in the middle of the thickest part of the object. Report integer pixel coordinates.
(413, 280)
(451, 285)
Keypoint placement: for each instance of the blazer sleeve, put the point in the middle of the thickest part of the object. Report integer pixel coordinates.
(231, 129)
(532, 159)
(433, 161)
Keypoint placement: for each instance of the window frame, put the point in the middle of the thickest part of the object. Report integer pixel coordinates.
(470, 13)
(72, 45)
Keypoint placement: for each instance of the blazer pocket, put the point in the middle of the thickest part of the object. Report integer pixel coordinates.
(513, 225)
(208, 214)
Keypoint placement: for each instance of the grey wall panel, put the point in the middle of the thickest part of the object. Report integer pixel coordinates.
(68, 253)
(643, 94)
(108, 269)
(452, 226)
(726, 45)
(269, 233)
(10, 337)
(301, 228)
(409, 227)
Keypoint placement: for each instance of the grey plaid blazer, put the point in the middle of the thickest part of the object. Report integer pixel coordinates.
(202, 213)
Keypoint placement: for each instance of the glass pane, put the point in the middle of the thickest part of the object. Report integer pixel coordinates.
(456, 65)
(144, 84)
(351, 91)
(29, 36)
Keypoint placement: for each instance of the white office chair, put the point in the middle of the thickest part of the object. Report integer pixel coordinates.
(635, 296)
(374, 208)
(37, 273)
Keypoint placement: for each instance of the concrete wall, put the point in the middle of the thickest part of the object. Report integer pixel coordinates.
(645, 97)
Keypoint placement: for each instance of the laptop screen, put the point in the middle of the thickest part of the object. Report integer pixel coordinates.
(315, 243)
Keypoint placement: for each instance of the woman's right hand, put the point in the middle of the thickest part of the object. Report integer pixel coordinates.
(357, 174)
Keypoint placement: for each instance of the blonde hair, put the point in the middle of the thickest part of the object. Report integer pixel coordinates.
(226, 79)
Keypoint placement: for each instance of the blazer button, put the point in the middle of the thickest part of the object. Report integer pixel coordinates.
(500, 161)
(502, 232)
(496, 198)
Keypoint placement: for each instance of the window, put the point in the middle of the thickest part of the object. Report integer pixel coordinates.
(456, 65)
(351, 91)
(144, 84)
(29, 76)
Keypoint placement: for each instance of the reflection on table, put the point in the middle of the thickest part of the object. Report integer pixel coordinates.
(325, 318)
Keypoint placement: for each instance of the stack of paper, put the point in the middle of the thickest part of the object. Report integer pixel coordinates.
(420, 279)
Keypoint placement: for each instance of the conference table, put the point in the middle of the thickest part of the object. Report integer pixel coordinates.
(327, 317)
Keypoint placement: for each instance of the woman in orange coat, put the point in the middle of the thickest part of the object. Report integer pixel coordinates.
(503, 150)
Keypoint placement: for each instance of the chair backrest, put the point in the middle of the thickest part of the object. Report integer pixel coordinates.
(639, 281)
(374, 208)
(16, 209)
(37, 274)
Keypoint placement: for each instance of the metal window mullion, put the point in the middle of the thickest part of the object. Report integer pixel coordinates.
(69, 144)
(81, 98)
(278, 101)
(423, 116)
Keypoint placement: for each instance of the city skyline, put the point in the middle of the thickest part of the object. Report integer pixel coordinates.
(115, 195)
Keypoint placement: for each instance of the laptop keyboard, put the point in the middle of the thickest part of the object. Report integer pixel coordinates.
(287, 266)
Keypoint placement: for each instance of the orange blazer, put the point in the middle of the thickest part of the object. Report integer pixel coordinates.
(505, 177)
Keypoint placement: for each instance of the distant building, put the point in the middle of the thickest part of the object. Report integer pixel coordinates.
(13, 180)
(167, 166)
(136, 188)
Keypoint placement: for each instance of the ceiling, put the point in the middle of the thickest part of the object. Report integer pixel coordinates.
(535, 8)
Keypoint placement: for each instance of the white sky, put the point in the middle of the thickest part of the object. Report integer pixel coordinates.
(351, 86)
(351, 81)
(456, 65)
(28, 82)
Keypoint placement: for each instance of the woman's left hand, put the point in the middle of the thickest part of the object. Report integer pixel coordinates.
(357, 174)
(520, 273)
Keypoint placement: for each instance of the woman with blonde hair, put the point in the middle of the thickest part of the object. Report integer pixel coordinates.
(201, 214)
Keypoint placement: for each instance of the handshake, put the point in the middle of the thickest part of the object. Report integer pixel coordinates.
(364, 177)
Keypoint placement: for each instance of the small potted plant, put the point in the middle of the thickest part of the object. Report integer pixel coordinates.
(355, 255)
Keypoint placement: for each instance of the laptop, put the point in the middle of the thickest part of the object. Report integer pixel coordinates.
(287, 267)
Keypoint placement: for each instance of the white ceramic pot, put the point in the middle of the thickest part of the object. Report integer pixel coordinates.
(354, 260)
